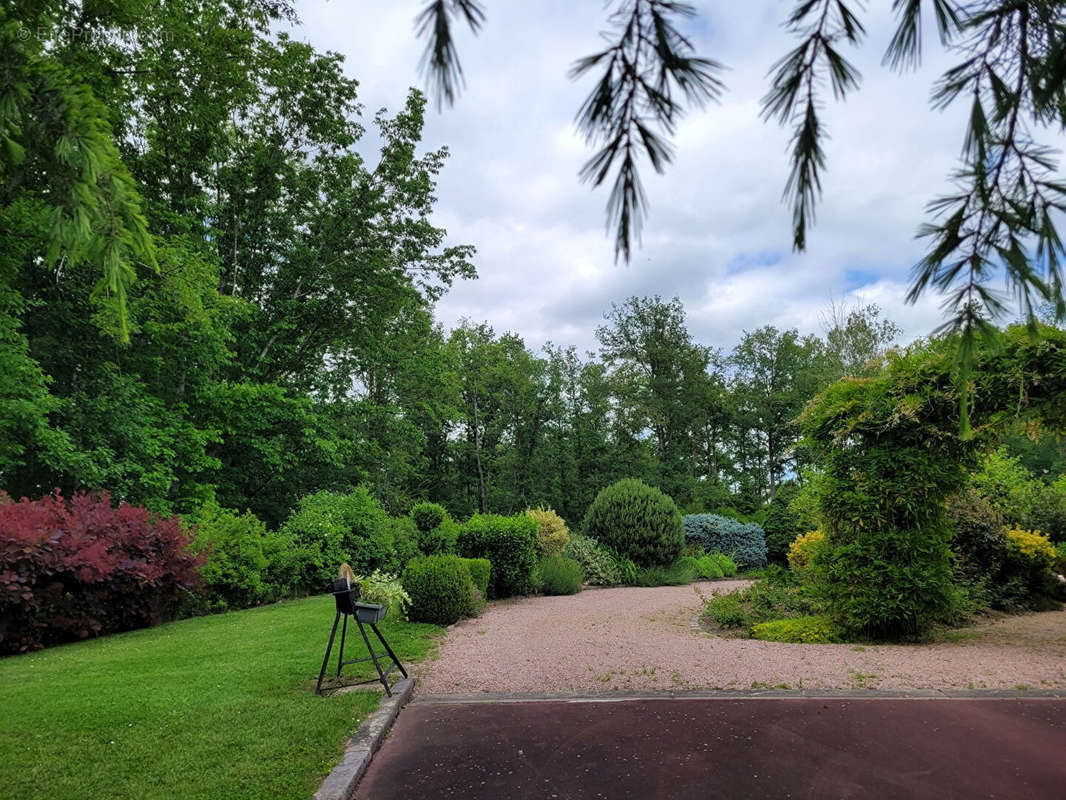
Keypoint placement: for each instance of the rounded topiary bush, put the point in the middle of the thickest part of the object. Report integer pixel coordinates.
(637, 521)
(428, 516)
(440, 588)
(436, 530)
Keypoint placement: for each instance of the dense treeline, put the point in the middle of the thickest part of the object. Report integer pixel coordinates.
(281, 337)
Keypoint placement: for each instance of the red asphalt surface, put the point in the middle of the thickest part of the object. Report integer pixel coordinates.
(724, 748)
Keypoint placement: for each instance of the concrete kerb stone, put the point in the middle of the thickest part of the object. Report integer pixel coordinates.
(616, 696)
(341, 782)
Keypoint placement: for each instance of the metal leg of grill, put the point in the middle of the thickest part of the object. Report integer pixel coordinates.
(392, 655)
(374, 657)
(344, 635)
(325, 659)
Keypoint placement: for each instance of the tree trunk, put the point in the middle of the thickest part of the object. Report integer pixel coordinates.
(480, 471)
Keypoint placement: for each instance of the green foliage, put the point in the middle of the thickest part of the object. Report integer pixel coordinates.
(560, 575)
(638, 521)
(440, 588)
(428, 516)
(725, 563)
(236, 562)
(384, 589)
(336, 529)
(1048, 512)
(403, 541)
(744, 542)
(552, 533)
(800, 630)
(892, 453)
(707, 567)
(777, 596)
(601, 568)
(983, 563)
(509, 543)
(727, 611)
(480, 572)
(887, 587)
(436, 530)
(1009, 487)
(680, 573)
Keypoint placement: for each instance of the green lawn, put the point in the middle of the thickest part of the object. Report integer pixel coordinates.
(213, 707)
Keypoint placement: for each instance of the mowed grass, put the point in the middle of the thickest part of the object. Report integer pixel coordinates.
(213, 707)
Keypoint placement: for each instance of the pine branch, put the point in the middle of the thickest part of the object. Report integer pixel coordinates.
(794, 99)
(440, 61)
(634, 106)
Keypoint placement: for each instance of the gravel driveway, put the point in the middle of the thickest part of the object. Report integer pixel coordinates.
(643, 638)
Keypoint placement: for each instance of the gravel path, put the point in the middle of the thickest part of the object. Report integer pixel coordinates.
(636, 638)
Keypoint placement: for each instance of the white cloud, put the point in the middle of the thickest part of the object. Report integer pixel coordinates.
(718, 235)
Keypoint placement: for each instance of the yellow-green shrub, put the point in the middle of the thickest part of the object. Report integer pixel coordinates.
(803, 547)
(1034, 546)
(800, 630)
(552, 533)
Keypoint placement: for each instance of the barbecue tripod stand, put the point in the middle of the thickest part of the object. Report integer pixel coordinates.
(346, 597)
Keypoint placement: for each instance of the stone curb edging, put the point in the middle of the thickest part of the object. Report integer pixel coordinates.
(742, 694)
(341, 782)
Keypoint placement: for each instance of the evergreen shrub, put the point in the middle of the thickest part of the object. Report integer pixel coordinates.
(560, 575)
(510, 544)
(440, 589)
(437, 532)
(638, 522)
(480, 572)
(799, 630)
(744, 542)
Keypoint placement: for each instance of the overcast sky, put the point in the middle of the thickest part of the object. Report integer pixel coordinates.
(718, 235)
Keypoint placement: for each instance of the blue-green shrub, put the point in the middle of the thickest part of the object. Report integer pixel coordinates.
(638, 522)
(744, 542)
(440, 588)
(509, 543)
(335, 529)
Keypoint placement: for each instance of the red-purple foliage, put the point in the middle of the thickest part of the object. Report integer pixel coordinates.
(80, 568)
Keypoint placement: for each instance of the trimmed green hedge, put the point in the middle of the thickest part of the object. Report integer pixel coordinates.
(480, 572)
(440, 587)
(509, 543)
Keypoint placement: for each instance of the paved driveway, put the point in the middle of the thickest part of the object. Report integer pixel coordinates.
(724, 748)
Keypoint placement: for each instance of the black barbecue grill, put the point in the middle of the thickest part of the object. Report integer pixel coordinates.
(365, 614)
